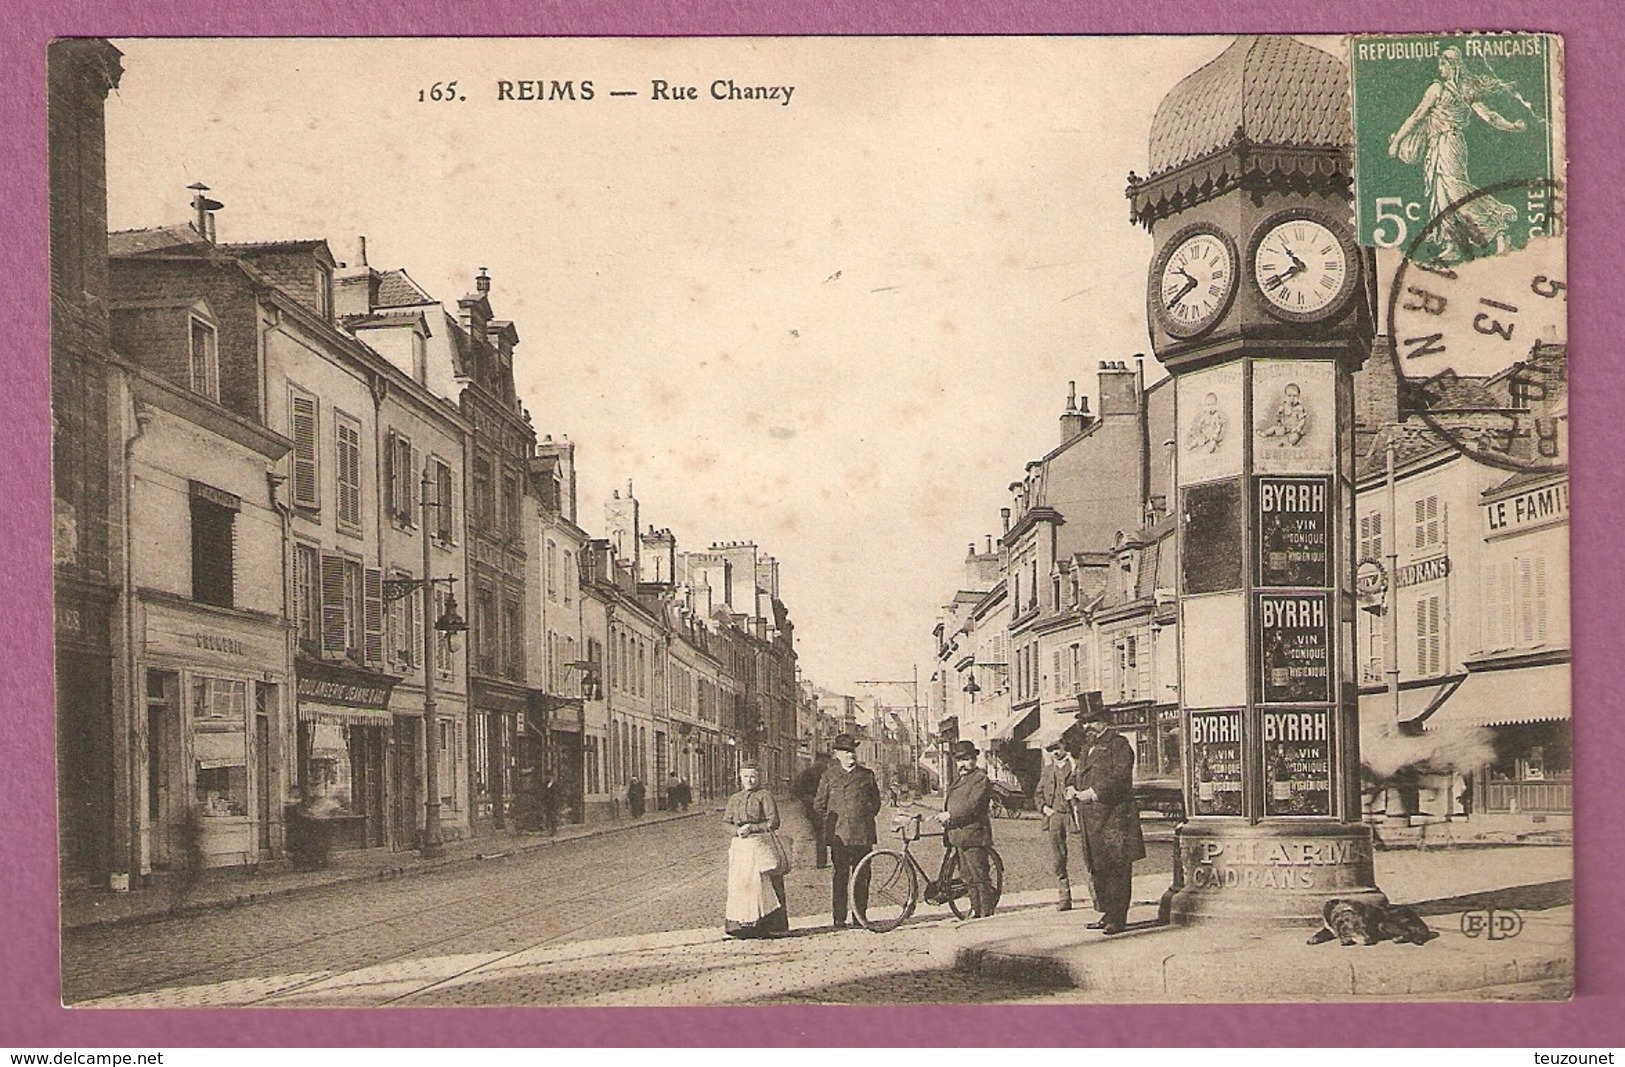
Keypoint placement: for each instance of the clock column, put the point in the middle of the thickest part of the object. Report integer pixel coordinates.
(1263, 479)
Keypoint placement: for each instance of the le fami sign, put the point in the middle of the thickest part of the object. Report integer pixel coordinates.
(1540, 506)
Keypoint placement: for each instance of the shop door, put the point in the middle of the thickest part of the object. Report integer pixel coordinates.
(165, 783)
(262, 778)
(403, 784)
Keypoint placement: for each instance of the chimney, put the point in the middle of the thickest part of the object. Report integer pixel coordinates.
(970, 550)
(205, 209)
(482, 283)
(989, 544)
(1119, 389)
(1004, 516)
(1073, 423)
(361, 250)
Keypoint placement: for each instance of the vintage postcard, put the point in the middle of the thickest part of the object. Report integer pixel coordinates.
(747, 521)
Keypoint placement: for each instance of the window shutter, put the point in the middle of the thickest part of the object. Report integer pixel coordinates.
(1422, 637)
(333, 604)
(1540, 600)
(373, 614)
(392, 486)
(304, 452)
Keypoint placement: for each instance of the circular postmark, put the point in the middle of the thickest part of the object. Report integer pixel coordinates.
(1478, 329)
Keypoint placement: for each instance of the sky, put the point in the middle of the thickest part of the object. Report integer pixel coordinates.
(837, 327)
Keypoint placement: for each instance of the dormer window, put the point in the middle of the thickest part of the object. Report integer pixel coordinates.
(324, 292)
(205, 359)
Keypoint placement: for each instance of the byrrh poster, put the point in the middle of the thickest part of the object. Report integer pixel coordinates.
(598, 522)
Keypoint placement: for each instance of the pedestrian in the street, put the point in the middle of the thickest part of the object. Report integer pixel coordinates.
(968, 828)
(757, 862)
(1103, 790)
(805, 790)
(674, 792)
(1059, 820)
(635, 796)
(549, 800)
(847, 801)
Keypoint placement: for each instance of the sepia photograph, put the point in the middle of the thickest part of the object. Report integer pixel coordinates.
(720, 521)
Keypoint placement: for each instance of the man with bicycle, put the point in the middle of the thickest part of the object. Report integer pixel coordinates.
(967, 828)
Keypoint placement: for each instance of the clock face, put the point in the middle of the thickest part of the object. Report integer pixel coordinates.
(1303, 267)
(1195, 282)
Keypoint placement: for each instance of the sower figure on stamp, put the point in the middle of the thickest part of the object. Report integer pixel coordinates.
(846, 804)
(967, 827)
(1059, 820)
(1103, 790)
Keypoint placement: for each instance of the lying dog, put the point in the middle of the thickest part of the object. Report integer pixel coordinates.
(1351, 921)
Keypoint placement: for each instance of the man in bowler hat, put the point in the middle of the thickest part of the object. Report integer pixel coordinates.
(1103, 790)
(847, 801)
(1059, 821)
(966, 827)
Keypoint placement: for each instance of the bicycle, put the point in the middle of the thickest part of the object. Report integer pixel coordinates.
(895, 878)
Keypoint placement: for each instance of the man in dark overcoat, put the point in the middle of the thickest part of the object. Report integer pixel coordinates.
(967, 827)
(1103, 791)
(847, 801)
(1055, 809)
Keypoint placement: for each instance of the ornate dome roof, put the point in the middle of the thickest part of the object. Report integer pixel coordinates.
(1270, 90)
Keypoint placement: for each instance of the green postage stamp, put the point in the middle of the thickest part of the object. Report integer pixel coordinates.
(1458, 151)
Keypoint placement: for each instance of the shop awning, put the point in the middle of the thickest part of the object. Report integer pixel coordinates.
(1050, 728)
(342, 715)
(1507, 697)
(1413, 703)
(1015, 725)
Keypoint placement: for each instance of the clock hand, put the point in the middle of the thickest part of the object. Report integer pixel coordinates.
(1190, 284)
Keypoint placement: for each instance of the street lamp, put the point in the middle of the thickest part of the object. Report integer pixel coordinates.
(451, 624)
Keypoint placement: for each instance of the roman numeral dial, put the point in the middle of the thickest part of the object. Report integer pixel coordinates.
(1193, 281)
(1304, 268)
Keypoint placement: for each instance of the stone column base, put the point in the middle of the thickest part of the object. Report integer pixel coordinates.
(1270, 874)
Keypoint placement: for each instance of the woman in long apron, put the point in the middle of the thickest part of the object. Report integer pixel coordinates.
(756, 904)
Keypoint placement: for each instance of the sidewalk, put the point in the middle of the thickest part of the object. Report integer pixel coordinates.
(83, 905)
(1041, 948)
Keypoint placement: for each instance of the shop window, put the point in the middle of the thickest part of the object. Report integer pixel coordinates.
(347, 455)
(331, 774)
(205, 356)
(213, 518)
(220, 745)
(302, 414)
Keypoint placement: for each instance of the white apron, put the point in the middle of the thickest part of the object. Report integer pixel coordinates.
(750, 885)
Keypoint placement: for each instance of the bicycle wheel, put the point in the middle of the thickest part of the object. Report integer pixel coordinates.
(893, 891)
(959, 891)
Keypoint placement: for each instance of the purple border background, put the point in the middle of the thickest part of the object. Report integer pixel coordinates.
(29, 1010)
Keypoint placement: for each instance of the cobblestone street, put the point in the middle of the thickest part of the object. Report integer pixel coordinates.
(632, 917)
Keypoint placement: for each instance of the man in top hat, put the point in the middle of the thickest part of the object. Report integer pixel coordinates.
(966, 826)
(1060, 820)
(847, 801)
(1103, 789)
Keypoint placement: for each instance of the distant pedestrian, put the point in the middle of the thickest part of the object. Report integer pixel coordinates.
(1103, 788)
(966, 826)
(846, 804)
(805, 790)
(549, 801)
(1059, 821)
(757, 862)
(635, 796)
